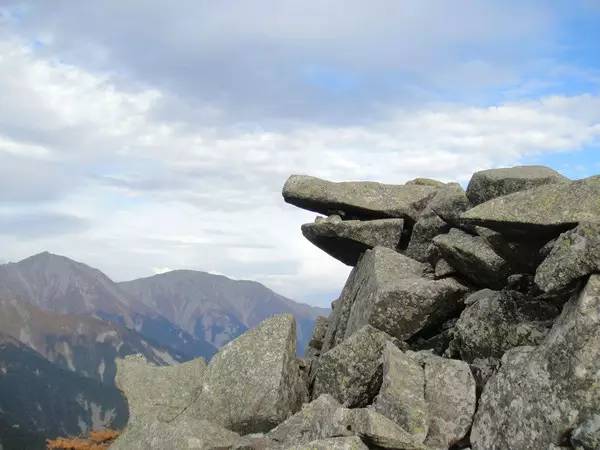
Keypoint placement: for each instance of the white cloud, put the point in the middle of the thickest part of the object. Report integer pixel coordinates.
(159, 193)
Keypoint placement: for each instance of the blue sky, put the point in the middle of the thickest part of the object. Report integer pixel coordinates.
(140, 138)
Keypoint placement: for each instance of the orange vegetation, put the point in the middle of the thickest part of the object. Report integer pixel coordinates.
(97, 440)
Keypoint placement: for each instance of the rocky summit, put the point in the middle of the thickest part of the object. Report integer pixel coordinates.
(470, 320)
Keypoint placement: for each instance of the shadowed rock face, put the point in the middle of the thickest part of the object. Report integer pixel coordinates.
(556, 382)
(543, 211)
(489, 184)
(347, 240)
(357, 199)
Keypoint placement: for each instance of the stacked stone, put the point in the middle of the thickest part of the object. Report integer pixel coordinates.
(469, 320)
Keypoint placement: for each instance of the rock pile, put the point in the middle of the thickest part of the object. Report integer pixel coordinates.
(471, 319)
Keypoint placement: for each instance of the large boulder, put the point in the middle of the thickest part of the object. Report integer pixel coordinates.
(376, 269)
(449, 203)
(496, 321)
(359, 199)
(351, 371)
(544, 211)
(575, 254)
(182, 433)
(430, 397)
(158, 392)
(390, 292)
(542, 393)
(492, 183)
(402, 394)
(254, 383)
(450, 394)
(473, 258)
(347, 240)
(316, 341)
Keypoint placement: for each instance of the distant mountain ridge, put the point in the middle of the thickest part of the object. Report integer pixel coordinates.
(216, 308)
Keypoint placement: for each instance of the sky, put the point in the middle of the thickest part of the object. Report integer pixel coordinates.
(146, 136)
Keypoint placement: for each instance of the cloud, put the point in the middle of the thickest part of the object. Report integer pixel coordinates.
(164, 142)
(40, 225)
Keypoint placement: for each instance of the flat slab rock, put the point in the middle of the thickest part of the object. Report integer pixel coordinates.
(254, 383)
(544, 211)
(574, 255)
(492, 183)
(158, 392)
(347, 240)
(357, 199)
(556, 382)
(389, 291)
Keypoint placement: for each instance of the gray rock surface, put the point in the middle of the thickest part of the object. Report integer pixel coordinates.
(443, 269)
(492, 183)
(347, 240)
(375, 429)
(473, 258)
(427, 227)
(496, 321)
(158, 392)
(401, 397)
(377, 268)
(316, 341)
(587, 435)
(312, 422)
(338, 443)
(575, 254)
(183, 433)
(556, 382)
(351, 371)
(388, 291)
(360, 199)
(450, 394)
(254, 382)
(545, 211)
(449, 203)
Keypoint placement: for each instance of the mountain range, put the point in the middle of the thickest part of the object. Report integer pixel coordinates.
(70, 322)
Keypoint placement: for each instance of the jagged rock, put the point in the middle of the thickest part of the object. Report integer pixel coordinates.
(496, 321)
(351, 371)
(427, 227)
(316, 341)
(545, 211)
(402, 394)
(311, 423)
(254, 383)
(489, 184)
(388, 291)
(443, 269)
(338, 443)
(587, 435)
(378, 268)
(541, 393)
(575, 254)
(483, 369)
(523, 255)
(450, 394)
(449, 203)
(357, 200)
(183, 433)
(347, 240)
(375, 429)
(158, 392)
(473, 258)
